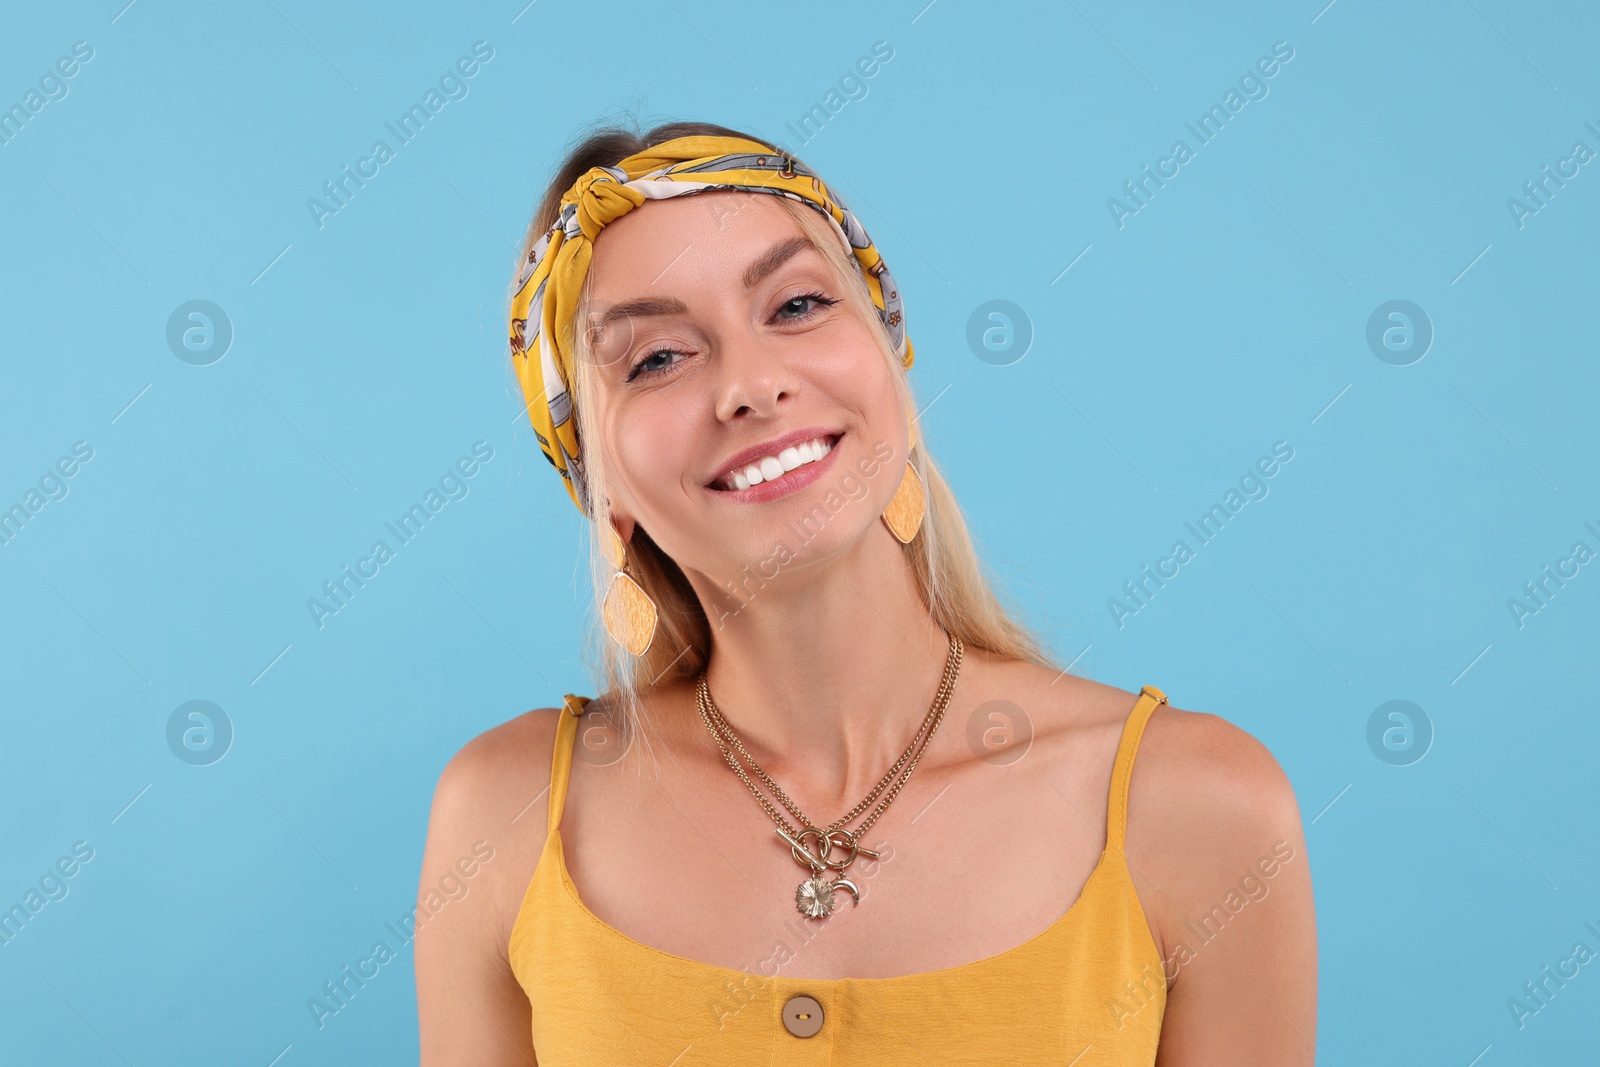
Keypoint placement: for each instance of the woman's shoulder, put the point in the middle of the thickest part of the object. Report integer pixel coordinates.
(502, 775)
(1185, 758)
(492, 796)
(498, 765)
(1205, 795)
(1213, 822)
(1190, 766)
(1212, 779)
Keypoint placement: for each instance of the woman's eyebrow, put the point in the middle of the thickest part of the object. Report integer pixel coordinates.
(774, 258)
(629, 308)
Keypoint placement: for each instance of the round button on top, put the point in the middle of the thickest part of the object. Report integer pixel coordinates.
(802, 1016)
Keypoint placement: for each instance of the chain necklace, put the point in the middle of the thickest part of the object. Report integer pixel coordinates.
(814, 897)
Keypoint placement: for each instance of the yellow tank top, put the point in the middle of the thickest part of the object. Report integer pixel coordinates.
(1087, 992)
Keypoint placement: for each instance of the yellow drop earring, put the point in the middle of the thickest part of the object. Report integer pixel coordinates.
(904, 514)
(628, 612)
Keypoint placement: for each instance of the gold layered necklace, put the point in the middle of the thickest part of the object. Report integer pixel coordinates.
(815, 896)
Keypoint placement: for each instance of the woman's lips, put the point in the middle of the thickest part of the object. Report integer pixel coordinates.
(788, 481)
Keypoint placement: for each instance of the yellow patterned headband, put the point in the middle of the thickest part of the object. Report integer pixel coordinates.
(550, 281)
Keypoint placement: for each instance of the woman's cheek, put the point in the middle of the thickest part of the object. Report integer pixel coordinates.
(840, 357)
(653, 443)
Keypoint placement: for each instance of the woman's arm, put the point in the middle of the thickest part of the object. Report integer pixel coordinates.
(1214, 825)
(489, 817)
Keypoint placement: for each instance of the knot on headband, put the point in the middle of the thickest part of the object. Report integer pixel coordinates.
(599, 198)
(550, 280)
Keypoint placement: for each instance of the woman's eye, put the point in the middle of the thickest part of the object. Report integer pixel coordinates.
(655, 363)
(803, 307)
(795, 309)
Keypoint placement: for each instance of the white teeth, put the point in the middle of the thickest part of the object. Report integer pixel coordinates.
(767, 468)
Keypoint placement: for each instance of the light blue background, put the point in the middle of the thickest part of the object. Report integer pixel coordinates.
(1228, 314)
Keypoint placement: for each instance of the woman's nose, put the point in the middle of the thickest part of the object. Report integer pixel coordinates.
(753, 378)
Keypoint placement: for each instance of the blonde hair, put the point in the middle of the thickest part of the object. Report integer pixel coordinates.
(949, 577)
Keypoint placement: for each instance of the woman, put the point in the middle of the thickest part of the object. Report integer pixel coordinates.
(757, 846)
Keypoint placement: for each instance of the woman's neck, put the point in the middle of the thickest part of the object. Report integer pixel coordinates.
(826, 672)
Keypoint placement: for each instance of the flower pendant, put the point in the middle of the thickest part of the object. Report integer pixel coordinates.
(815, 897)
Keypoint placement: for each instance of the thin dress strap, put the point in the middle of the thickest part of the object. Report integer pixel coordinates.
(561, 759)
(1150, 698)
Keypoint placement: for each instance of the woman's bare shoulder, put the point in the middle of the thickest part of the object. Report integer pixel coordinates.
(1211, 817)
(491, 799)
(1199, 772)
(486, 777)
(485, 834)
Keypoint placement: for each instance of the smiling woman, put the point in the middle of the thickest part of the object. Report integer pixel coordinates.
(714, 357)
(632, 358)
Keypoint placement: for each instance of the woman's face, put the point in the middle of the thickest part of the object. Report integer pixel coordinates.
(723, 354)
